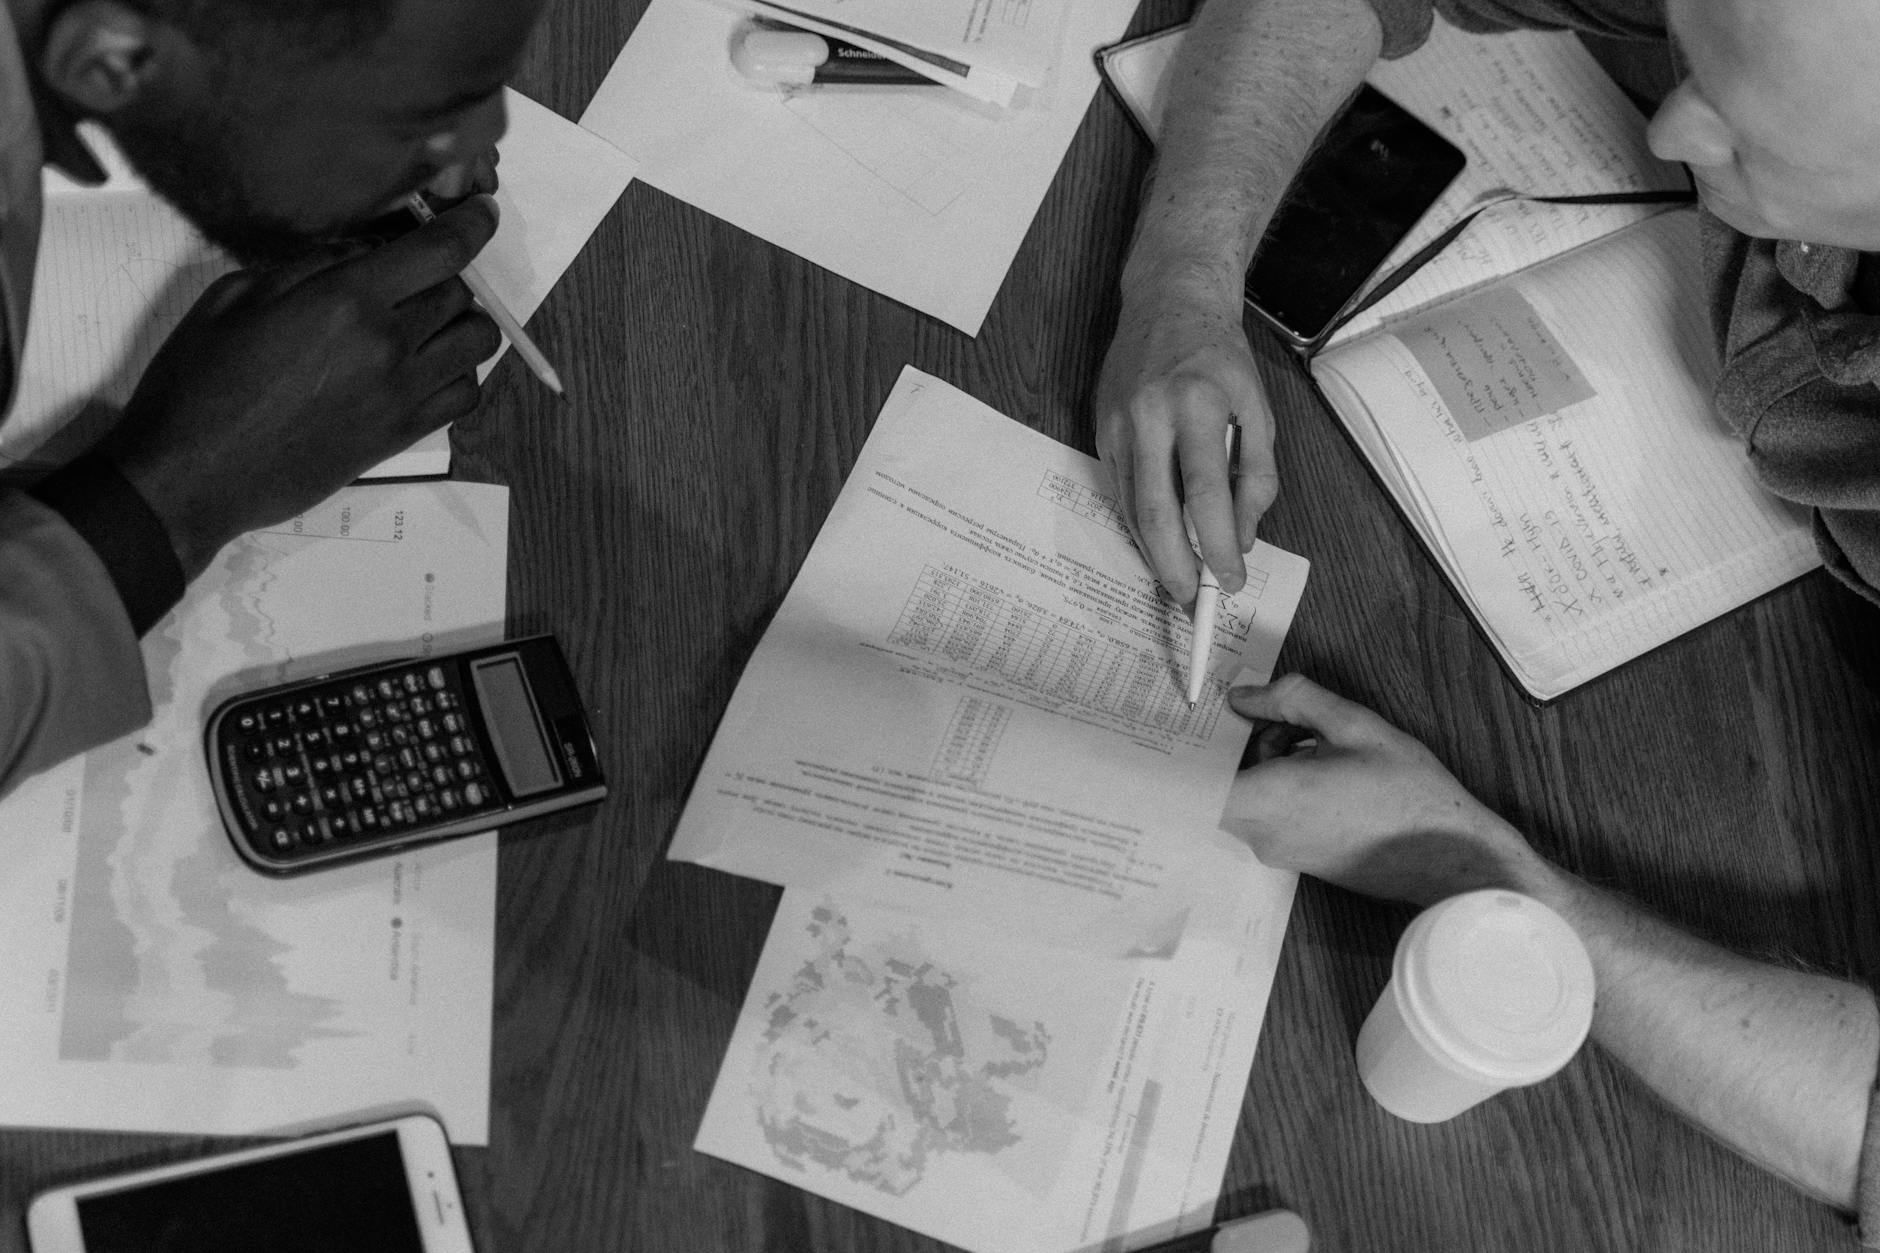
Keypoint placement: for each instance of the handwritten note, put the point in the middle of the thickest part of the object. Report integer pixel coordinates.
(1552, 439)
(1494, 361)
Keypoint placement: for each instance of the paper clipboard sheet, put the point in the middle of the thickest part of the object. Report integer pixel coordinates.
(972, 700)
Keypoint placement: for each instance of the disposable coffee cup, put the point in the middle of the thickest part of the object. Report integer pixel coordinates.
(1488, 991)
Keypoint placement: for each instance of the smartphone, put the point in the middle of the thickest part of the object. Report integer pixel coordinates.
(388, 1187)
(1375, 172)
(371, 760)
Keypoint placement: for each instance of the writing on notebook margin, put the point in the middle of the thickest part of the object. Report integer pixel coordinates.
(934, 825)
(1494, 361)
(1493, 364)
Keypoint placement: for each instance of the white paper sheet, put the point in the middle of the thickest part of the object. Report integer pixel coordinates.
(916, 193)
(155, 983)
(990, 1093)
(1017, 39)
(118, 268)
(972, 701)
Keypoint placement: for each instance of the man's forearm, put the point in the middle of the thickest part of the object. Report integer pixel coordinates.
(1775, 1063)
(1252, 87)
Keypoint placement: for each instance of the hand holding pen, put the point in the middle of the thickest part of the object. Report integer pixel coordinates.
(493, 305)
(1208, 595)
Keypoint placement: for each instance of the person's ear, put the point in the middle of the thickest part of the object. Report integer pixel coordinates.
(102, 55)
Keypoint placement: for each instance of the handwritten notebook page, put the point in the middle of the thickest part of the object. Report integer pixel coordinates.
(1535, 115)
(1551, 438)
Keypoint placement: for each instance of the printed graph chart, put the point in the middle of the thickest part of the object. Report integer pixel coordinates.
(162, 966)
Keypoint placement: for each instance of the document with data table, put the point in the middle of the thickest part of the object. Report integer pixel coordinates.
(971, 703)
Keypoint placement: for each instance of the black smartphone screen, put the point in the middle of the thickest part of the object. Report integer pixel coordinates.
(1376, 171)
(337, 1198)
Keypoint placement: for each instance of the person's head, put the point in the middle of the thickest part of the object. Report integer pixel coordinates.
(272, 123)
(1779, 115)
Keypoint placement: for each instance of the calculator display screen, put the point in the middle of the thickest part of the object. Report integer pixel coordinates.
(350, 1195)
(515, 731)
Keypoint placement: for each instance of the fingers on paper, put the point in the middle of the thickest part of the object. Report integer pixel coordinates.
(1299, 703)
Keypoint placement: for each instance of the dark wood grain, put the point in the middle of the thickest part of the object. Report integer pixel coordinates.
(721, 391)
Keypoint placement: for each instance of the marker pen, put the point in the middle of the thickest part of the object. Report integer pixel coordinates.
(774, 57)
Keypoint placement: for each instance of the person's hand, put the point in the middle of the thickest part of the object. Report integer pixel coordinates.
(475, 176)
(1339, 793)
(1177, 372)
(282, 384)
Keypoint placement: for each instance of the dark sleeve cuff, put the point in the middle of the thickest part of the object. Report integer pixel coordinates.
(95, 498)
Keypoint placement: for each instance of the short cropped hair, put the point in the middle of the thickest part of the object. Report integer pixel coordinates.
(314, 28)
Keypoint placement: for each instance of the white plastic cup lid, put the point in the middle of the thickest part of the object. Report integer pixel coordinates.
(1495, 986)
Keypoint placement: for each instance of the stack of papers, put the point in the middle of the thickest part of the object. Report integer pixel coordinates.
(118, 268)
(1012, 993)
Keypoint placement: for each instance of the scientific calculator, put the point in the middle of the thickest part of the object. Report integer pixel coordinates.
(368, 761)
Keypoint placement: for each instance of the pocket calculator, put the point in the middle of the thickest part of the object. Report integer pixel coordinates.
(380, 758)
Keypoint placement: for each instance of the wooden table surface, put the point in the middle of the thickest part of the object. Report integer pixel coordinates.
(723, 389)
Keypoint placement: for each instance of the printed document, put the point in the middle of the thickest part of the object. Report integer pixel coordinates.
(990, 1093)
(1012, 992)
(920, 194)
(154, 982)
(972, 701)
(118, 268)
(1015, 39)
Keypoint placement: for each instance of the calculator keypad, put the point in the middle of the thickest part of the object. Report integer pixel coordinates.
(357, 760)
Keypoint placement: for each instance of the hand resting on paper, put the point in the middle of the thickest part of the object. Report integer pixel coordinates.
(1178, 371)
(1367, 807)
(284, 383)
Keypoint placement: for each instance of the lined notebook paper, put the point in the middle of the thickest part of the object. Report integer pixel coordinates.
(1550, 437)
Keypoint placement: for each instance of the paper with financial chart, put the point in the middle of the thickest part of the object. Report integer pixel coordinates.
(972, 700)
(153, 982)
